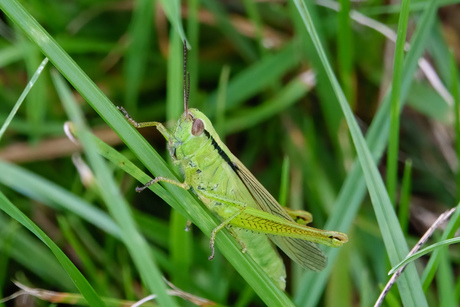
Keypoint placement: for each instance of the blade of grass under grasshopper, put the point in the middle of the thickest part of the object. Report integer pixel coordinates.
(409, 284)
(118, 207)
(140, 33)
(353, 189)
(79, 280)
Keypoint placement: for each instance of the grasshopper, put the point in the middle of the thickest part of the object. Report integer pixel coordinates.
(230, 190)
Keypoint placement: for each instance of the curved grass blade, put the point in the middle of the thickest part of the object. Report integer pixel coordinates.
(110, 193)
(22, 245)
(393, 143)
(172, 10)
(353, 189)
(410, 287)
(423, 252)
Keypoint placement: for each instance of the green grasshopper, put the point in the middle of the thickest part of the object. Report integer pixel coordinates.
(230, 190)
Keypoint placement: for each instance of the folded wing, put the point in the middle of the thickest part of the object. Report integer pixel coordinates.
(304, 252)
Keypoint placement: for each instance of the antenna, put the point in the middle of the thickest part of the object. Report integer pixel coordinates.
(186, 81)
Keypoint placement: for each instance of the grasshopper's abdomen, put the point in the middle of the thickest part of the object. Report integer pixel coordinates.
(259, 247)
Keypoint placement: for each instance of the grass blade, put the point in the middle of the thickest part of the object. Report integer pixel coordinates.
(136, 55)
(82, 284)
(23, 96)
(424, 251)
(353, 189)
(393, 143)
(172, 10)
(409, 284)
(118, 207)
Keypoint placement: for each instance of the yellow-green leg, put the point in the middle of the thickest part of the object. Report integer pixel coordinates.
(219, 228)
(183, 185)
(137, 125)
(299, 216)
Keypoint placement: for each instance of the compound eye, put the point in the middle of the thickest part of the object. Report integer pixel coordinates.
(197, 127)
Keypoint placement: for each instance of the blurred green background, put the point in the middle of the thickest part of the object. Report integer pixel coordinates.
(255, 72)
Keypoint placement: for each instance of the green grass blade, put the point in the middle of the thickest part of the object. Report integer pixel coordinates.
(174, 91)
(449, 232)
(345, 50)
(456, 96)
(284, 182)
(242, 44)
(393, 143)
(193, 27)
(260, 75)
(253, 14)
(35, 102)
(82, 284)
(333, 119)
(172, 10)
(291, 93)
(23, 96)
(80, 251)
(409, 284)
(353, 189)
(118, 207)
(139, 33)
(424, 251)
(445, 280)
(44, 264)
(47, 192)
(10, 54)
(219, 123)
(404, 201)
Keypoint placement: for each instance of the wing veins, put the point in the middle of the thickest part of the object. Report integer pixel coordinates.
(293, 247)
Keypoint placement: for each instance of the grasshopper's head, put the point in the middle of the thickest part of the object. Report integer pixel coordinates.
(193, 131)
